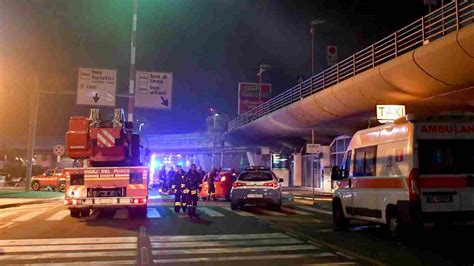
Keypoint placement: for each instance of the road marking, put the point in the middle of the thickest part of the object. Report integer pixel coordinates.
(115, 262)
(209, 212)
(121, 214)
(216, 237)
(28, 216)
(257, 257)
(5, 214)
(272, 213)
(312, 209)
(59, 216)
(19, 249)
(67, 241)
(241, 212)
(69, 255)
(226, 243)
(153, 213)
(232, 250)
(6, 225)
(295, 211)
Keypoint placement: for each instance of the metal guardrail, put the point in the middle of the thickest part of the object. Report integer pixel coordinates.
(446, 19)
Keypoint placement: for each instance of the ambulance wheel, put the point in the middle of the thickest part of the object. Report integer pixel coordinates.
(85, 212)
(75, 213)
(338, 218)
(394, 224)
(35, 185)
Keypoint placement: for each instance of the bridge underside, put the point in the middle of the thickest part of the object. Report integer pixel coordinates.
(436, 77)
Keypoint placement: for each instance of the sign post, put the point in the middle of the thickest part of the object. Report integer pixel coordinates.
(59, 151)
(331, 55)
(96, 87)
(252, 95)
(389, 113)
(154, 90)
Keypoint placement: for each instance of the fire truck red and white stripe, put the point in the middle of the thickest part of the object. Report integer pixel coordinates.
(105, 139)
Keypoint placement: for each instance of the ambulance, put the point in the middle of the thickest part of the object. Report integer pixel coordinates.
(417, 169)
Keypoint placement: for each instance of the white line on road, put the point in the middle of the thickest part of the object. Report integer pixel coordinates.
(259, 242)
(241, 213)
(67, 241)
(271, 213)
(312, 209)
(6, 214)
(209, 212)
(115, 262)
(69, 255)
(28, 216)
(153, 213)
(258, 257)
(295, 211)
(232, 250)
(59, 216)
(12, 249)
(216, 237)
(6, 225)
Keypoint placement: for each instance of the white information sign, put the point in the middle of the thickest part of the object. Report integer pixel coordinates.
(154, 90)
(388, 113)
(96, 86)
(265, 150)
(313, 148)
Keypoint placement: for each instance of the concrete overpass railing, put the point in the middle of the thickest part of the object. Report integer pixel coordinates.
(447, 19)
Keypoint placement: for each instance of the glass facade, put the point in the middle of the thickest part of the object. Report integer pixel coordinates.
(338, 148)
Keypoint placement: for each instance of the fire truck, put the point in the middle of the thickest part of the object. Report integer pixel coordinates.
(108, 172)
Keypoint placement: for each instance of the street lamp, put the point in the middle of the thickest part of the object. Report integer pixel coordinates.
(140, 127)
(262, 68)
(313, 24)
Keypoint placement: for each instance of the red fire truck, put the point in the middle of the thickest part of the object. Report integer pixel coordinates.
(108, 173)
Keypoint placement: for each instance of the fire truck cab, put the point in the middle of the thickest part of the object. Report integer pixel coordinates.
(417, 169)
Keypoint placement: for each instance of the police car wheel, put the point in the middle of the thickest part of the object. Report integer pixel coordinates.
(234, 206)
(35, 185)
(339, 221)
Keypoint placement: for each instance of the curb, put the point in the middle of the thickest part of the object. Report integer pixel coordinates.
(29, 203)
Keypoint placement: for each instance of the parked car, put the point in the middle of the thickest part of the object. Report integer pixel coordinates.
(53, 178)
(223, 184)
(257, 185)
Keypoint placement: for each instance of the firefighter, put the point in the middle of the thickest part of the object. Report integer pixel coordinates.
(178, 188)
(193, 183)
(211, 177)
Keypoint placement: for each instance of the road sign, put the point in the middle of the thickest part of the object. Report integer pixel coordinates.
(96, 86)
(265, 150)
(313, 148)
(154, 90)
(388, 113)
(59, 150)
(331, 55)
(249, 94)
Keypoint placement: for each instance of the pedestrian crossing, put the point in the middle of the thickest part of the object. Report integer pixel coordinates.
(267, 248)
(55, 213)
(75, 251)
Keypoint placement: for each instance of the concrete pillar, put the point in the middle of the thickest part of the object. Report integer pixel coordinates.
(297, 164)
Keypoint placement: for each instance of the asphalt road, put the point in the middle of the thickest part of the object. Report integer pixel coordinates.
(298, 234)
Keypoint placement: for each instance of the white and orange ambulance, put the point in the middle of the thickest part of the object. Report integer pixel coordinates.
(408, 172)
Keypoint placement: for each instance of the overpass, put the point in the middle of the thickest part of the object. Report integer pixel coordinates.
(427, 66)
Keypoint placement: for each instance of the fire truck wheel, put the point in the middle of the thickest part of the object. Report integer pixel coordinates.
(62, 187)
(85, 212)
(35, 185)
(75, 213)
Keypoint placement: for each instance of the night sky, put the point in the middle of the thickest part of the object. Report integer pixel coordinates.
(209, 45)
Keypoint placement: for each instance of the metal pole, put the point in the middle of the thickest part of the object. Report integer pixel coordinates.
(312, 51)
(312, 164)
(133, 43)
(260, 87)
(34, 104)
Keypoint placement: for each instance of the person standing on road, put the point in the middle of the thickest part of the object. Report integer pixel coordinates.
(162, 177)
(178, 188)
(211, 177)
(193, 183)
(169, 178)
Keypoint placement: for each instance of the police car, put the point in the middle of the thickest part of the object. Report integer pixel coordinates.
(414, 170)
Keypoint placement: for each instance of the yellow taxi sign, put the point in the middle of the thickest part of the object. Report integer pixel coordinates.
(389, 113)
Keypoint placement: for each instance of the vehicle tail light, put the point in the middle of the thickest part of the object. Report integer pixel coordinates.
(238, 184)
(223, 178)
(137, 200)
(72, 202)
(271, 184)
(414, 184)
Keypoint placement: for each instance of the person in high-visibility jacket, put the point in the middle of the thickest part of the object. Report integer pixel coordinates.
(178, 188)
(193, 183)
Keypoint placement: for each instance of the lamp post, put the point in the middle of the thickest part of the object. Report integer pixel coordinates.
(262, 68)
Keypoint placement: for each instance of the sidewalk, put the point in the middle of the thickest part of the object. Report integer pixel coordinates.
(12, 198)
(304, 192)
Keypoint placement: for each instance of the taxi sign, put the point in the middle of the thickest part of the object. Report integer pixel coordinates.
(389, 113)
